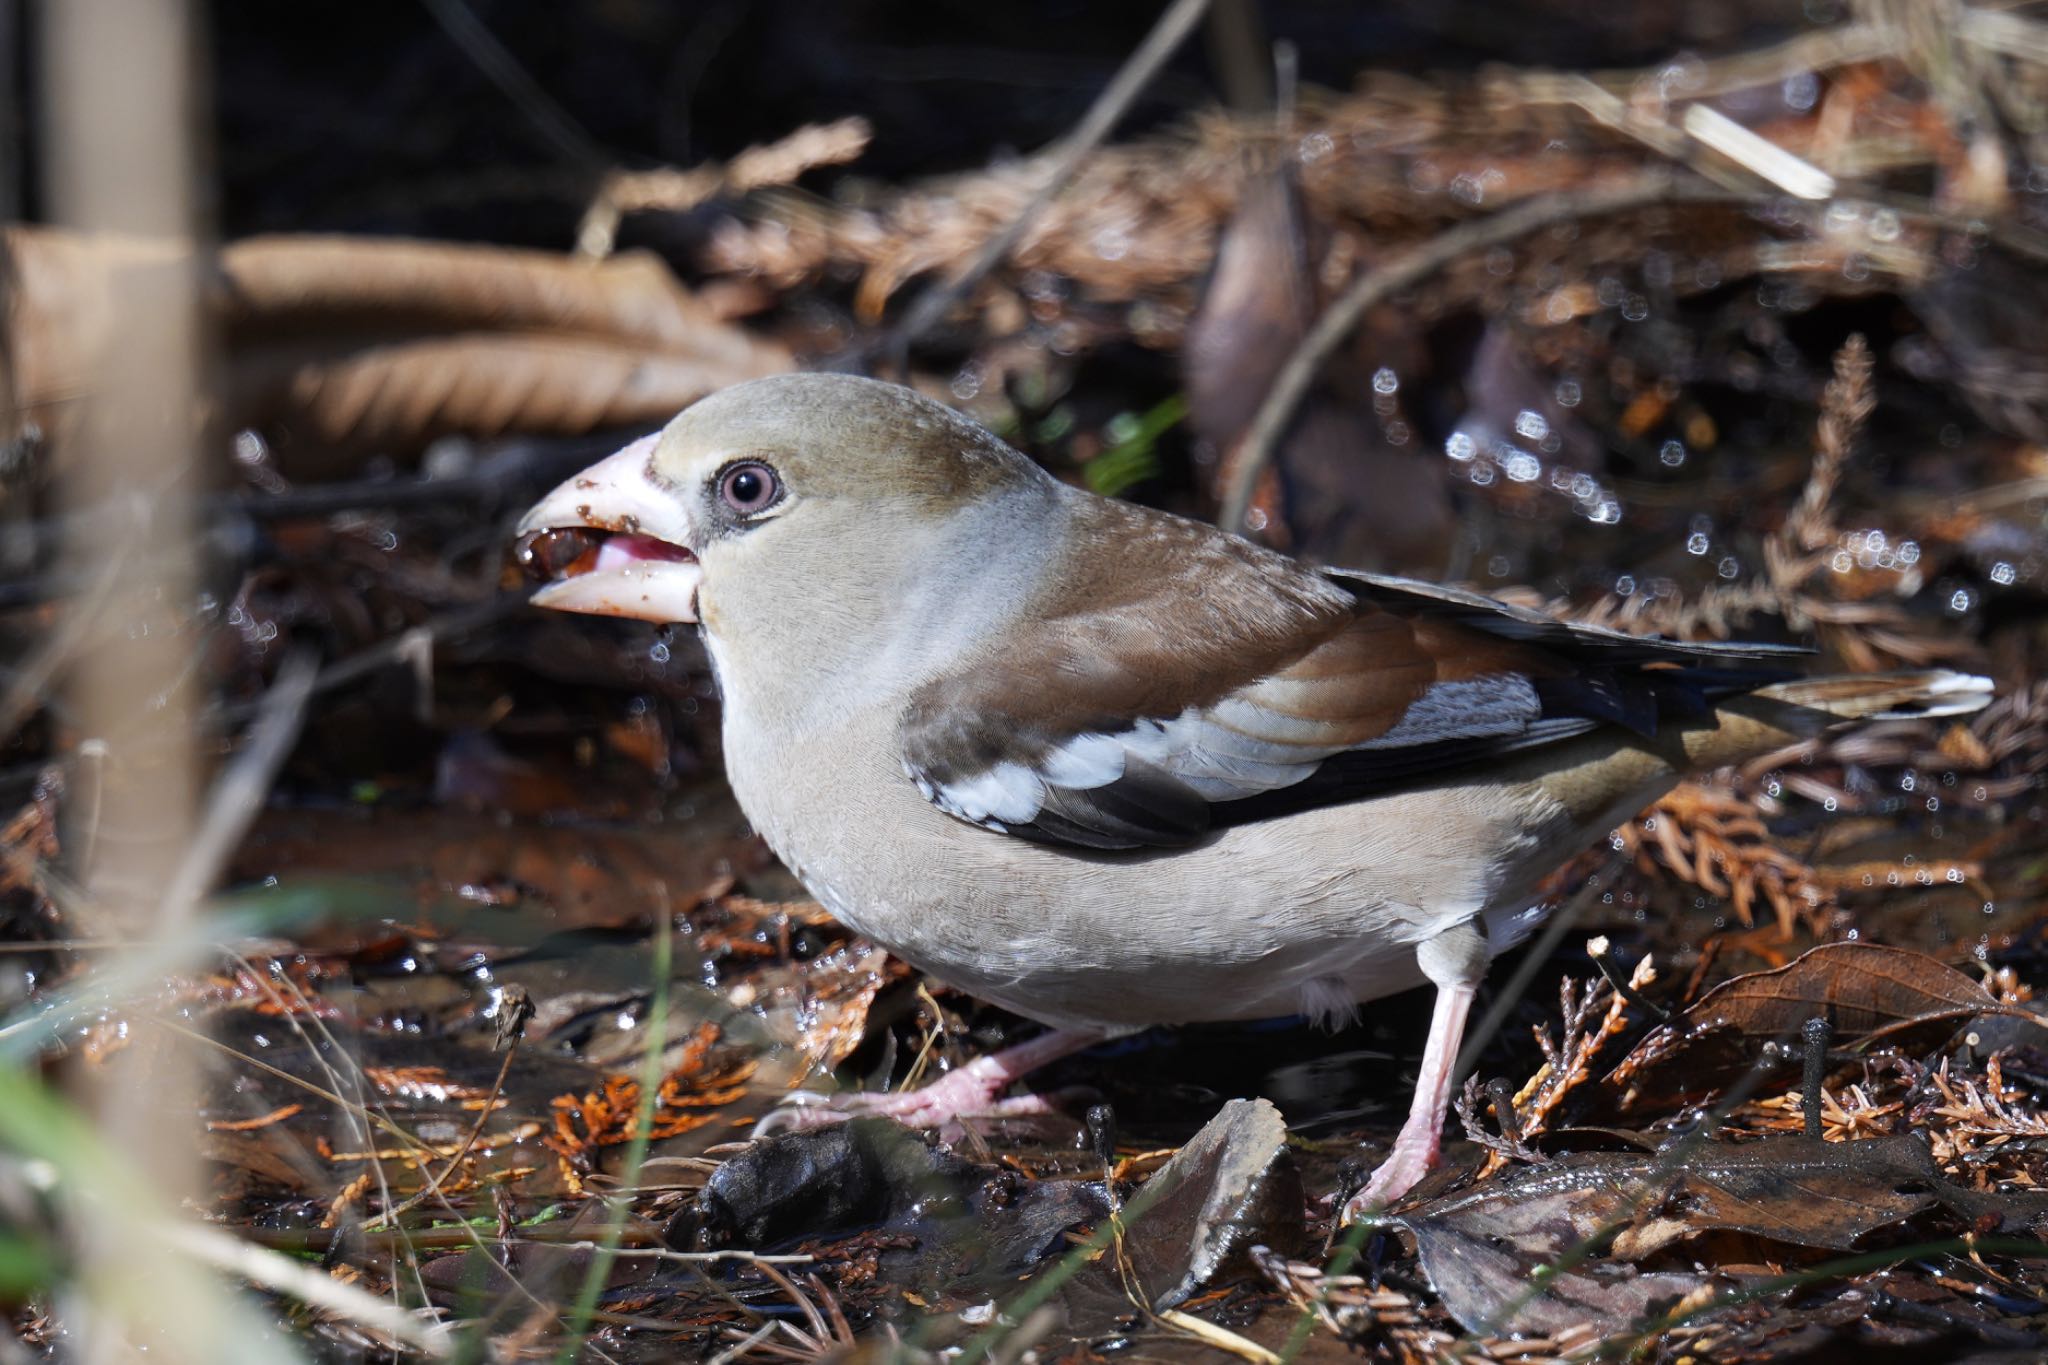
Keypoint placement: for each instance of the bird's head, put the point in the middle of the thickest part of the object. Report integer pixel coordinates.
(788, 512)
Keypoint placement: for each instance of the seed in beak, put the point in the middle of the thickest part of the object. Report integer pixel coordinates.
(552, 554)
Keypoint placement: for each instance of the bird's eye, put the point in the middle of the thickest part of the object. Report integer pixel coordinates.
(749, 488)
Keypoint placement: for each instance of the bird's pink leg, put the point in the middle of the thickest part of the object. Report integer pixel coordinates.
(1456, 961)
(972, 1091)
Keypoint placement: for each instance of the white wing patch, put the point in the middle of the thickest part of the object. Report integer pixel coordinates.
(1007, 794)
(1235, 749)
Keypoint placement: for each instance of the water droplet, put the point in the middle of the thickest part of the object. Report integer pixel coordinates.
(1384, 380)
(2004, 574)
(1671, 454)
(1530, 426)
(1698, 543)
(1460, 446)
(1567, 393)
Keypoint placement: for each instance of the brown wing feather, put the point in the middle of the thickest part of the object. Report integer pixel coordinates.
(1170, 678)
(1148, 616)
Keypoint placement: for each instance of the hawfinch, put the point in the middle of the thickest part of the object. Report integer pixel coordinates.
(1109, 768)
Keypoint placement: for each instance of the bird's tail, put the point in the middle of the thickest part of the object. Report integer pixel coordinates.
(1916, 695)
(1614, 779)
(1786, 712)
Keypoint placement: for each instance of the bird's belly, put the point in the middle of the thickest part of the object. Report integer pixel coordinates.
(1260, 920)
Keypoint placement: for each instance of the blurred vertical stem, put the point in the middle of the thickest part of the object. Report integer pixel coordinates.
(118, 132)
(636, 1150)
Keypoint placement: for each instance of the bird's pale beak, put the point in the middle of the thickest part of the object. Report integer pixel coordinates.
(614, 542)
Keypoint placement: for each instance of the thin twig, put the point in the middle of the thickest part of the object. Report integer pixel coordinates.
(1110, 106)
(1407, 268)
(25, 688)
(517, 84)
(432, 1188)
(239, 793)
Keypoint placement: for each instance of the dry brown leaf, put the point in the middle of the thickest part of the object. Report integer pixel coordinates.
(351, 344)
(1870, 994)
(394, 286)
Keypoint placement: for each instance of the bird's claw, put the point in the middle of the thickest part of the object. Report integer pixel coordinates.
(1405, 1165)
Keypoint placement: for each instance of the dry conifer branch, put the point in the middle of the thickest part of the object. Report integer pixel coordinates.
(669, 189)
(1591, 1013)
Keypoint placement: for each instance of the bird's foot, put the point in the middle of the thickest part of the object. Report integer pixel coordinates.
(1411, 1159)
(972, 1091)
(943, 1105)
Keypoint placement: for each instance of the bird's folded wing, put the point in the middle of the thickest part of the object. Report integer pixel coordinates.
(1128, 723)
(1178, 680)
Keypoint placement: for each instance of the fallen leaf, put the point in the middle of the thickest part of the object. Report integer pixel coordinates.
(1337, 488)
(1233, 1185)
(1788, 1188)
(1496, 1253)
(1870, 994)
(1546, 1246)
(352, 344)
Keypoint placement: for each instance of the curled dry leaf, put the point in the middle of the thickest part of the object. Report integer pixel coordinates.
(1338, 489)
(1871, 994)
(352, 344)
